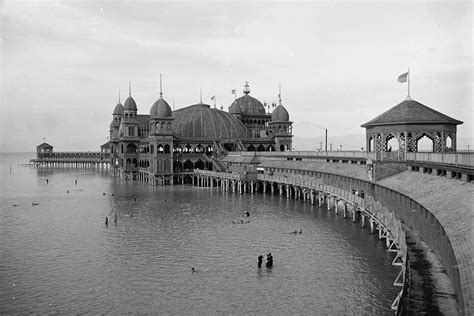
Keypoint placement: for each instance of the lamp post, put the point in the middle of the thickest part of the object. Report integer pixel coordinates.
(326, 140)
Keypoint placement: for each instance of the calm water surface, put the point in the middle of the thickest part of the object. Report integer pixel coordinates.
(60, 257)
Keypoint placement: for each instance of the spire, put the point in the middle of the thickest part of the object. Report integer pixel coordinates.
(200, 92)
(246, 88)
(161, 89)
(119, 96)
(130, 88)
(279, 95)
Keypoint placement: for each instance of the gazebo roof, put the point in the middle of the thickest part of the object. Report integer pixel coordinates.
(44, 145)
(410, 111)
(106, 145)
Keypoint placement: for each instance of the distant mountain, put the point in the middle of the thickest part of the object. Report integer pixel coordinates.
(348, 142)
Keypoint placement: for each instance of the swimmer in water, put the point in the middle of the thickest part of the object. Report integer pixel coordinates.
(301, 231)
(103, 193)
(67, 191)
(106, 220)
(192, 269)
(115, 218)
(294, 232)
(75, 181)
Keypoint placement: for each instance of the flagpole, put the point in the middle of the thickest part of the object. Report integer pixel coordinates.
(409, 82)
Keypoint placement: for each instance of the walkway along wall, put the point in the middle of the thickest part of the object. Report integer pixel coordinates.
(330, 188)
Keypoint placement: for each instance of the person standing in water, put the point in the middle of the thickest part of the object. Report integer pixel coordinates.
(260, 259)
(106, 221)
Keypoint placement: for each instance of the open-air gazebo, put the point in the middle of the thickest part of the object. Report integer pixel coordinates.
(408, 122)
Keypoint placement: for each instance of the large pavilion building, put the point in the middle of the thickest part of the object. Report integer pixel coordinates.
(406, 124)
(159, 146)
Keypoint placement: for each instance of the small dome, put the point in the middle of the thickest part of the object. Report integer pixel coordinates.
(118, 109)
(130, 104)
(200, 120)
(280, 114)
(247, 105)
(114, 124)
(160, 109)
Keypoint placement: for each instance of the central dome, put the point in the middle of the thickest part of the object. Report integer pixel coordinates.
(200, 120)
(247, 105)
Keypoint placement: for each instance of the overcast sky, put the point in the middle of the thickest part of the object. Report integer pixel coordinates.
(63, 63)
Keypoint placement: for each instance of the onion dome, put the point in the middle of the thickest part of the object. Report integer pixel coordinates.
(200, 120)
(130, 104)
(160, 109)
(280, 114)
(118, 109)
(247, 104)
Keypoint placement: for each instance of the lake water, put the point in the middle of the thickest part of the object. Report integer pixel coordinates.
(60, 257)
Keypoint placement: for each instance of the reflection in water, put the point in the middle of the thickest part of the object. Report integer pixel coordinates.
(59, 256)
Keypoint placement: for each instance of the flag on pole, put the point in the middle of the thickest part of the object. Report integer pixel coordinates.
(403, 77)
(233, 91)
(213, 97)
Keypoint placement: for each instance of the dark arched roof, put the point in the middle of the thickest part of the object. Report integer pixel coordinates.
(118, 109)
(280, 114)
(247, 105)
(160, 109)
(200, 120)
(410, 111)
(130, 104)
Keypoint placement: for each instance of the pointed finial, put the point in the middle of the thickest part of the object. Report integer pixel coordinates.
(279, 95)
(200, 92)
(246, 88)
(119, 95)
(161, 88)
(173, 104)
(130, 88)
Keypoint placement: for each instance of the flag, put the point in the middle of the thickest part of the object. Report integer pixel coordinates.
(213, 97)
(403, 77)
(233, 91)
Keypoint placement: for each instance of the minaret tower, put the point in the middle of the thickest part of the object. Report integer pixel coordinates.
(281, 127)
(114, 134)
(161, 141)
(129, 139)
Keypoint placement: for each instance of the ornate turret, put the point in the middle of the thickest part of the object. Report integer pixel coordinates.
(161, 140)
(280, 127)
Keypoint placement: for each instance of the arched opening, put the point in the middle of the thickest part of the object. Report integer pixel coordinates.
(199, 164)
(371, 145)
(131, 149)
(177, 165)
(209, 150)
(188, 149)
(424, 143)
(177, 149)
(134, 162)
(282, 148)
(159, 149)
(199, 149)
(188, 165)
(251, 148)
(167, 149)
(449, 143)
(392, 143)
(271, 148)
